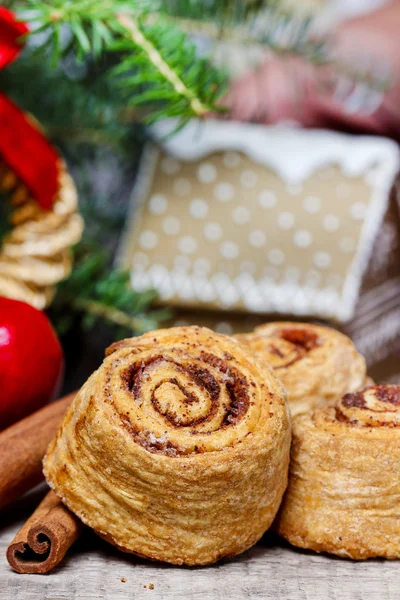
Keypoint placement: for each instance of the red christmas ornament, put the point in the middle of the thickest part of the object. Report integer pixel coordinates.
(22, 146)
(31, 360)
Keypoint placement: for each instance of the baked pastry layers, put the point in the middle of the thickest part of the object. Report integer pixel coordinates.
(316, 364)
(344, 484)
(35, 255)
(176, 448)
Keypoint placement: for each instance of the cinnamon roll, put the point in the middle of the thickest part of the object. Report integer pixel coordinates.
(316, 364)
(344, 483)
(176, 448)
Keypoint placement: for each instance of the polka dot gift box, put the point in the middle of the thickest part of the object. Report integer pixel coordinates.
(236, 222)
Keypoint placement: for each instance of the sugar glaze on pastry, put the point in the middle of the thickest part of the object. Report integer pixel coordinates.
(176, 448)
(316, 364)
(344, 484)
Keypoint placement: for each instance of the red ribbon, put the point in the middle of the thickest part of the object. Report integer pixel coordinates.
(28, 153)
(22, 146)
(11, 31)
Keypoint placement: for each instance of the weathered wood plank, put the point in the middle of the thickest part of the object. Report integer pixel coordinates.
(270, 570)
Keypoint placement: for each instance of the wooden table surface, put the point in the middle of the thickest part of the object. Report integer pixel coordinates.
(269, 571)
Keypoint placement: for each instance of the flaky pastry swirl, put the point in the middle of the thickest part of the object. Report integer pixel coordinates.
(177, 448)
(316, 364)
(344, 483)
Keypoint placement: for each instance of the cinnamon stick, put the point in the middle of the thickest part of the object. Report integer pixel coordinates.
(22, 447)
(45, 538)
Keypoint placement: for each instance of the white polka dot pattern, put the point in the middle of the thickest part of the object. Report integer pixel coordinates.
(312, 204)
(187, 244)
(228, 233)
(202, 265)
(322, 259)
(302, 238)
(267, 199)
(213, 232)
(248, 178)
(257, 238)
(198, 208)
(148, 239)
(286, 220)
(158, 204)
(229, 249)
(276, 256)
(224, 192)
(171, 225)
(331, 222)
(206, 173)
(241, 215)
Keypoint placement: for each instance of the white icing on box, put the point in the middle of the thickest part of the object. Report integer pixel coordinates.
(294, 154)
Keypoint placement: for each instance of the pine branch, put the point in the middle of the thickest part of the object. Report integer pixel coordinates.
(95, 293)
(221, 12)
(268, 23)
(72, 104)
(158, 65)
(148, 46)
(97, 309)
(159, 70)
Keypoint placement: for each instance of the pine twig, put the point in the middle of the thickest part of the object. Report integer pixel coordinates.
(113, 315)
(197, 106)
(157, 64)
(95, 292)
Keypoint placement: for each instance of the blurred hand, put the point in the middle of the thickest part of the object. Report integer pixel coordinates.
(291, 88)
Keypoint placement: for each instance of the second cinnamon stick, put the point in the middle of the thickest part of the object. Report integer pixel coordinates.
(45, 538)
(22, 447)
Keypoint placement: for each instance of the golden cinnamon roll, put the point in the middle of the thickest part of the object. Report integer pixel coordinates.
(176, 448)
(316, 364)
(344, 482)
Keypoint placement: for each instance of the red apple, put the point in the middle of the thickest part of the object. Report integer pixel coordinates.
(31, 360)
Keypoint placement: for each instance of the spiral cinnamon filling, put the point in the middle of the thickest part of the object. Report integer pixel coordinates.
(167, 391)
(302, 338)
(289, 345)
(183, 399)
(375, 406)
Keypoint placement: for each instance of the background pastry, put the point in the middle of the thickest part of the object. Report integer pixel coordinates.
(344, 484)
(316, 364)
(177, 448)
